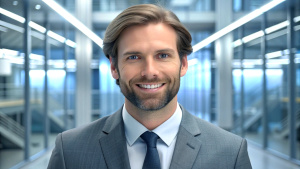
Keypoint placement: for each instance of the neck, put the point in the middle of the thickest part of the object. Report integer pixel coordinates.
(152, 119)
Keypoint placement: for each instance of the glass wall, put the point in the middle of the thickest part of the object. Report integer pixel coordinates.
(253, 82)
(117, 5)
(268, 123)
(12, 128)
(52, 104)
(277, 80)
(297, 61)
(26, 132)
(248, 5)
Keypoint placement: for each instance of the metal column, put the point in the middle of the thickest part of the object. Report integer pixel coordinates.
(242, 56)
(291, 78)
(27, 51)
(83, 53)
(223, 54)
(66, 115)
(46, 57)
(265, 96)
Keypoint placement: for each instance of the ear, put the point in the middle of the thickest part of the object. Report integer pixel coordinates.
(184, 65)
(113, 69)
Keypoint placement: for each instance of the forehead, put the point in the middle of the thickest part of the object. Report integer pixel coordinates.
(144, 36)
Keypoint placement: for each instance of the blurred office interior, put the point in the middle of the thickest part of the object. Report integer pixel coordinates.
(244, 73)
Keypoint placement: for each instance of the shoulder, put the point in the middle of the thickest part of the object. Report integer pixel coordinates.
(208, 133)
(91, 128)
(216, 143)
(93, 131)
(213, 131)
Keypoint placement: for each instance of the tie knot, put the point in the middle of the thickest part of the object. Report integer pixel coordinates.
(150, 138)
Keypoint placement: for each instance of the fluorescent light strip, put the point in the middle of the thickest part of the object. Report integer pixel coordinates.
(12, 15)
(236, 24)
(193, 62)
(276, 27)
(56, 36)
(296, 28)
(9, 52)
(37, 27)
(274, 54)
(297, 19)
(237, 43)
(70, 43)
(22, 20)
(36, 57)
(75, 22)
(253, 36)
(34, 26)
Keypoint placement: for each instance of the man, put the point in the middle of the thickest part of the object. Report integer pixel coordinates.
(147, 47)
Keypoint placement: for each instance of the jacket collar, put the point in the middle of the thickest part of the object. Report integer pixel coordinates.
(113, 142)
(188, 144)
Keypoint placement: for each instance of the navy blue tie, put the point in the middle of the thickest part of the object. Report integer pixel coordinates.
(152, 159)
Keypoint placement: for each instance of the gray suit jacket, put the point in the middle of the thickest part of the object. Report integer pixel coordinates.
(102, 144)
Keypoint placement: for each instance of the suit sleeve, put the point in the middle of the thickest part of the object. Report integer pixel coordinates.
(243, 161)
(57, 156)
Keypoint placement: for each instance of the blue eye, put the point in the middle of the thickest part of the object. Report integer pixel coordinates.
(163, 55)
(133, 57)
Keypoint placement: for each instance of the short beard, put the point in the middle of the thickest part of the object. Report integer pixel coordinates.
(158, 104)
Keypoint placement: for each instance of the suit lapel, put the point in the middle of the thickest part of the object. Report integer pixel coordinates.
(187, 145)
(113, 142)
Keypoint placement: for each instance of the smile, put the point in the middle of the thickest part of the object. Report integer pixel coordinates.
(148, 86)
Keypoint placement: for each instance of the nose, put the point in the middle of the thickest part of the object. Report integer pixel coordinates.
(149, 68)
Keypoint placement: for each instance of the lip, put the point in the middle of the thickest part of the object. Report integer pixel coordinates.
(150, 87)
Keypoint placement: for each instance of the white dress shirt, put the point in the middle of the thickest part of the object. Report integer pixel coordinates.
(136, 146)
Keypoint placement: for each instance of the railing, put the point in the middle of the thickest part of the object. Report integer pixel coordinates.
(11, 125)
(284, 132)
(252, 116)
(11, 91)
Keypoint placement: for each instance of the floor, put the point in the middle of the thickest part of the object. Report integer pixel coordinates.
(260, 159)
(37, 145)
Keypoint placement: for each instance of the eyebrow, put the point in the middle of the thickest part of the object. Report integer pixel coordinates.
(132, 53)
(139, 53)
(166, 50)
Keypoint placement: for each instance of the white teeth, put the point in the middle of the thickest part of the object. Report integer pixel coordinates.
(150, 86)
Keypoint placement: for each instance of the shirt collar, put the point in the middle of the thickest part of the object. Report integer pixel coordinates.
(166, 131)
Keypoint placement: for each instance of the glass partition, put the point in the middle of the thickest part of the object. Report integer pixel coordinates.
(12, 130)
(297, 61)
(253, 81)
(36, 77)
(277, 81)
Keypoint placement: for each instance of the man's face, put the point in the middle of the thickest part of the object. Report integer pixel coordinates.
(149, 67)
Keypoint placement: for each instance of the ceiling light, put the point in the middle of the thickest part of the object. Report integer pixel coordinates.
(74, 21)
(12, 15)
(297, 19)
(37, 27)
(236, 24)
(70, 43)
(253, 36)
(9, 52)
(276, 27)
(56, 36)
(15, 3)
(237, 43)
(274, 54)
(193, 62)
(38, 7)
